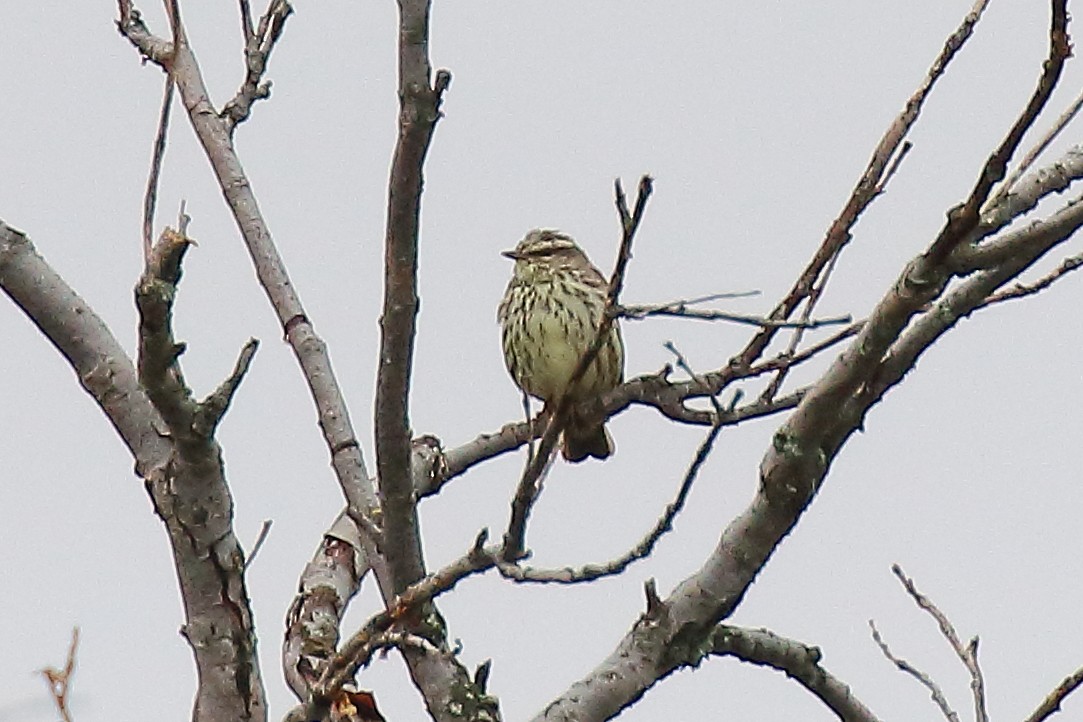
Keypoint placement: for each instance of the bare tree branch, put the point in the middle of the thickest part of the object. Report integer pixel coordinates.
(264, 532)
(968, 654)
(680, 309)
(925, 680)
(1022, 290)
(258, 45)
(652, 390)
(311, 353)
(964, 218)
(420, 110)
(187, 486)
(329, 582)
(791, 472)
(1033, 154)
(1054, 178)
(642, 550)
(150, 198)
(868, 187)
(1051, 704)
(59, 680)
(355, 652)
(799, 661)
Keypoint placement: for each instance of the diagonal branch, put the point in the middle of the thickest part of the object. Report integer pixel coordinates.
(964, 218)
(869, 185)
(186, 481)
(924, 679)
(1034, 153)
(150, 197)
(59, 680)
(968, 654)
(791, 474)
(311, 352)
(1051, 704)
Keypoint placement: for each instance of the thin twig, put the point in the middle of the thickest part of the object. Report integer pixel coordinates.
(964, 218)
(1021, 290)
(683, 365)
(924, 679)
(783, 360)
(59, 680)
(679, 309)
(213, 408)
(258, 45)
(246, 22)
(1033, 154)
(529, 420)
(798, 335)
(150, 197)
(264, 530)
(968, 654)
(869, 186)
(642, 550)
(904, 151)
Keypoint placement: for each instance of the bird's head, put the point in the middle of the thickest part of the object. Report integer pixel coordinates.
(544, 250)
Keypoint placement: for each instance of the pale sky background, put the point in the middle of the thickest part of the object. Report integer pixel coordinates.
(755, 119)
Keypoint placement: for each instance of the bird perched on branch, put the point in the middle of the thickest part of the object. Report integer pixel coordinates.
(550, 316)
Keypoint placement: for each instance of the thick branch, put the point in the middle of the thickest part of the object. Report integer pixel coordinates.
(419, 111)
(186, 483)
(89, 346)
(329, 582)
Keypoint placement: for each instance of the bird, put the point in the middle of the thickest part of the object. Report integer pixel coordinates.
(549, 317)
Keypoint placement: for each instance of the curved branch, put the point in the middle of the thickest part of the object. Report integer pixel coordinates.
(799, 661)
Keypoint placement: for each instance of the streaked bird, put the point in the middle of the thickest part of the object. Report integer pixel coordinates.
(549, 317)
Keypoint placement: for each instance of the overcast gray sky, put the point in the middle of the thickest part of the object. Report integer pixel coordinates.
(755, 119)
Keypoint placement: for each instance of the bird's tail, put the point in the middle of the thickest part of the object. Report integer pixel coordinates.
(584, 438)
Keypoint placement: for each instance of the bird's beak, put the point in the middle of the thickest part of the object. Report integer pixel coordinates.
(512, 254)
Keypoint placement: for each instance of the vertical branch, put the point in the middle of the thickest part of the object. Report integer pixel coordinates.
(419, 111)
(150, 198)
(444, 683)
(59, 680)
